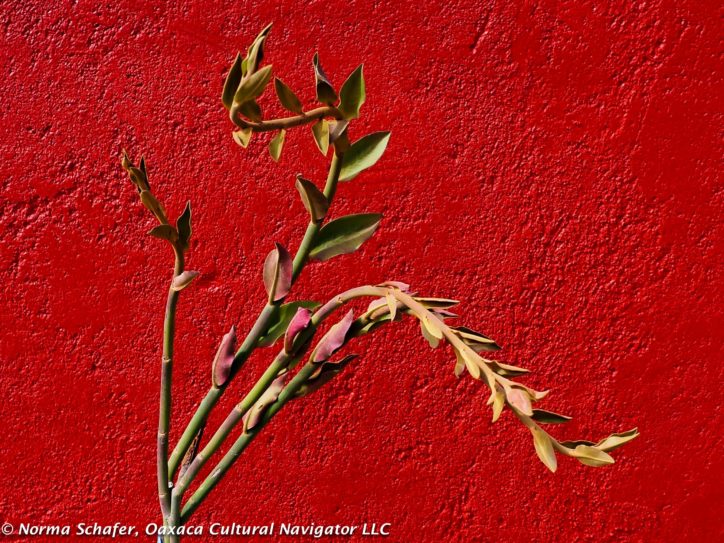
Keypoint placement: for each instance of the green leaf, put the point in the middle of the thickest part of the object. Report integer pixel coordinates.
(242, 137)
(325, 91)
(344, 235)
(281, 319)
(363, 153)
(544, 448)
(253, 86)
(275, 145)
(548, 417)
(352, 94)
(314, 201)
(164, 231)
(287, 97)
(320, 131)
(183, 225)
(233, 79)
(251, 110)
(255, 54)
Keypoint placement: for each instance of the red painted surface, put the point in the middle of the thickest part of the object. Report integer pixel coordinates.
(555, 165)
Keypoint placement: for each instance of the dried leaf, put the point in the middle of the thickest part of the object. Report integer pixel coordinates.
(164, 231)
(548, 417)
(404, 287)
(182, 280)
(314, 201)
(299, 322)
(352, 94)
(153, 205)
(436, 303)
(287, 97)
(509, 371)
(252, 87)
(344, 235)
(520, 400)
(591, 456)
(275, 145)
(183, 225)
(325, 91)
(498, 403)
(477, 341)
(233, 79)
(320, 131)
(363, 154)
(471, 364)
(544, 448)
(391, 304)
(278, 273)
(459, 364)
(333, 339)
(336, 129)
(280, 321)
(242, 137)
(433, 340)
(221, 368)
(616, 440)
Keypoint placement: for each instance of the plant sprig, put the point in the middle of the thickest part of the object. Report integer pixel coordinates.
(295, 325)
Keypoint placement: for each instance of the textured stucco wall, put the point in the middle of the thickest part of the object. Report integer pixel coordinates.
(554, 164)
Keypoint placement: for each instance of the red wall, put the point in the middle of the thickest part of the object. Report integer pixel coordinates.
(556, 165)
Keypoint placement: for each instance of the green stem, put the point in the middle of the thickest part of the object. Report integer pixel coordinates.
(164, 414)
(261, 325)
(236, 415)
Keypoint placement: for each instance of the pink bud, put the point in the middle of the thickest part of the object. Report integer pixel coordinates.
(300, 321)
(221, 368)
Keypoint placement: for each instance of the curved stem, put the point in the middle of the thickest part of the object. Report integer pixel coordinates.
(164, 414)
(284, 123)
(261, 325)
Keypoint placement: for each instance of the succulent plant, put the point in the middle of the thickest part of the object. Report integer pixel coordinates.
(296, 325)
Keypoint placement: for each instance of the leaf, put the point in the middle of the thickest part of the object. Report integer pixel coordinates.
(255, 54)
(281, 319)
(325, 91)
(251, 110)
(436, 303)
(320, 131)
(252, 87)
(363, 153)
(164, 231)
(255, 414)
(276, 144)
(183, 225)
(153, 205)
(548, 417)
(352, 94)
(242, 137)
(399, 285)
(391, 304)
(498, 404)
(616, 440)
(520, 400)
(278, 273)
(336, 129)
(233, 78)
(333, 339)
(300, 321)
(509, 371)
(221, 367)
(182, 280)
(433, 340)
(471, 365)
(477, 341)
(287, 97)
(324, 373)
(344, 235)
(544, 448)
(314, 201)
(591, 456)
(459, 364)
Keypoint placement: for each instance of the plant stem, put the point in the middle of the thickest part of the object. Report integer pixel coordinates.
(235, 416)
(284, 123)
(261, 325)
(164, 414)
